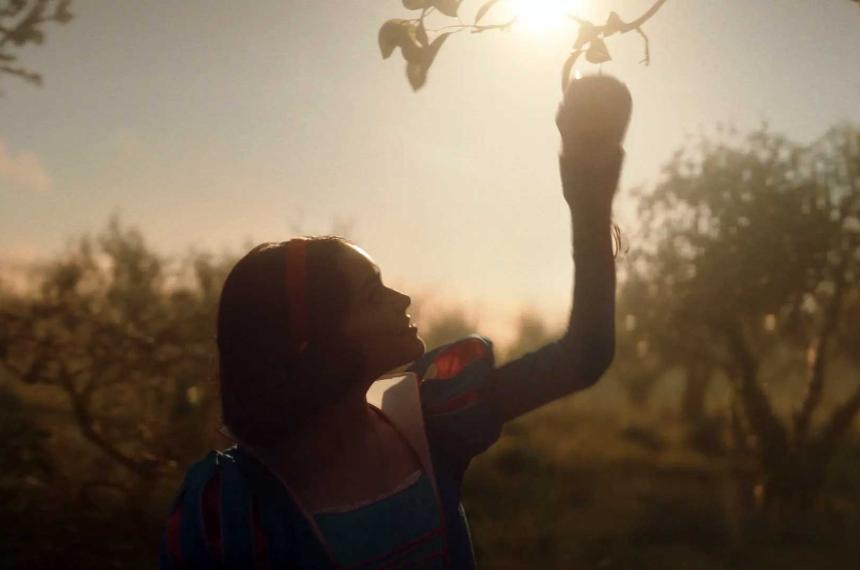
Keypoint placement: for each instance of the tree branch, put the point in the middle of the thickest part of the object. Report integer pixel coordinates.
(771, 434)
(86, 423)
(615, 25)
(589, 41)
(818, 350)
(818, 360)
(840, 422)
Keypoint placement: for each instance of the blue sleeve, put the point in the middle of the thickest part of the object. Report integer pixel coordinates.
(459, 420)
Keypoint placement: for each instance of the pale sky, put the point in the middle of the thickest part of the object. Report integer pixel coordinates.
(211, 123)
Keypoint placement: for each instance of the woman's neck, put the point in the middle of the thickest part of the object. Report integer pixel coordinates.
(341, 434)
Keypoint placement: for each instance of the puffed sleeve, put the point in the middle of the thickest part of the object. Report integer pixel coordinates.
(459, 420)
(213, 522)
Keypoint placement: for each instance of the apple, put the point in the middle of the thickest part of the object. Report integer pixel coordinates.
(595, 112)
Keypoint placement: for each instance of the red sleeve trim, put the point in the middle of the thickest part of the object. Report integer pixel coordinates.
(454, 359)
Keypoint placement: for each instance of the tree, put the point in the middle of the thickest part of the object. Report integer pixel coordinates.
(22, 448)
(128, 340)
(636, 366)
(751, 248)
(22, 23)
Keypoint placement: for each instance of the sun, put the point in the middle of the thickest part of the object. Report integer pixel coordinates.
(542, 14)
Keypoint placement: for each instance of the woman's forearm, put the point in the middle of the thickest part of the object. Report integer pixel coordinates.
(590, 182)
(584, 352)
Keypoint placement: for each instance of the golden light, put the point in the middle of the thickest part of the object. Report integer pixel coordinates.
(543, 14)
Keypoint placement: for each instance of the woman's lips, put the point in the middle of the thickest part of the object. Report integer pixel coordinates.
(409, 327)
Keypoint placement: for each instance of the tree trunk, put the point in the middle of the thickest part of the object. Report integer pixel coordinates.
(698, 379)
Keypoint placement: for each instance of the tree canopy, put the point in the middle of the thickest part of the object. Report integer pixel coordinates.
(751, 247)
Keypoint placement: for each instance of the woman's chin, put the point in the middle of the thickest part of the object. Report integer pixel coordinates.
(420, 348)
(400, 352)
(412, 348)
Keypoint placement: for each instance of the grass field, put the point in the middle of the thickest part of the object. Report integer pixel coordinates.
(570, 487)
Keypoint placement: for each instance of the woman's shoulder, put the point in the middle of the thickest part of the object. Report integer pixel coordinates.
(205, 472)
(213, 515)
(449, 373)
(460, 420)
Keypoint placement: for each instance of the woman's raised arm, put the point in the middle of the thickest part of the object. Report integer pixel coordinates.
(592, 119)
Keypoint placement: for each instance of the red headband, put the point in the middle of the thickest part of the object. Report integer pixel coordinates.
(296, 280)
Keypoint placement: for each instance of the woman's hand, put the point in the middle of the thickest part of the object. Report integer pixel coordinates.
(592, 119)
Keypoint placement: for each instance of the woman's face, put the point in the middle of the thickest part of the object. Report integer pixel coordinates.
(377, 321)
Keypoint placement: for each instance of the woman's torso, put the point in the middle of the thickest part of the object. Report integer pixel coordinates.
(323, 479)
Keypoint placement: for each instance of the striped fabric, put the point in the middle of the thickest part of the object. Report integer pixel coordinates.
(378, 535)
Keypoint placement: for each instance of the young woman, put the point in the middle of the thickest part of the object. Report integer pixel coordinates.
(338, 465)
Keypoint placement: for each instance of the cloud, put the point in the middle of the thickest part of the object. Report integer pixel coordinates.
(24, 170)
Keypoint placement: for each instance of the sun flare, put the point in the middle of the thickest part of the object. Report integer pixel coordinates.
(543, 14)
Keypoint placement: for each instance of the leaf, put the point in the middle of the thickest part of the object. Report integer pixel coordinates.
(587, 32)
(421, 34)
(62, 13)
(416, 72)
(434, 47)
(597, 51)
(399, 33)
(614, 24)
(412, 52)
(419, 59)
(482, 11)
(568, 66)
(390, 36)
(415, 4)
(447, 7)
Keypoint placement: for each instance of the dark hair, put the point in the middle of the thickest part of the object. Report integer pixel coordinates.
(267, 388)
